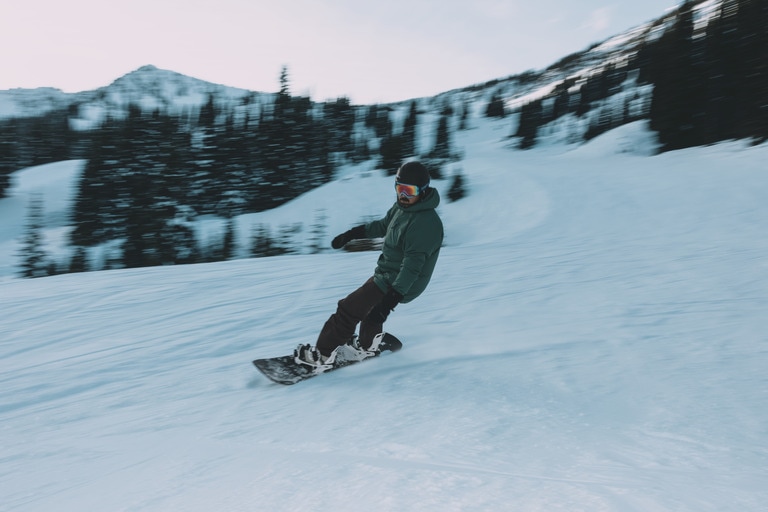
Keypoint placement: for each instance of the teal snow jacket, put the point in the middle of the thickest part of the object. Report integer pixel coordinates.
(412, 239)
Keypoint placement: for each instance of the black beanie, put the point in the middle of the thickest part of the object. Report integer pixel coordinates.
(413, 173)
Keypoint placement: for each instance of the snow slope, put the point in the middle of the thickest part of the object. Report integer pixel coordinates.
(594, 339)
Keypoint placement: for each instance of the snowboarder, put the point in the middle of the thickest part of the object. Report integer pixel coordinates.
(413, 234)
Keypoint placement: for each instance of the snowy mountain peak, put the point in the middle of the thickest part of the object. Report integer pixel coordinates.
(149, 87)
(152, 81)
(152, 88)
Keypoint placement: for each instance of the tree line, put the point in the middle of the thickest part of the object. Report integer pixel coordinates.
(709, 83)
(149, 175)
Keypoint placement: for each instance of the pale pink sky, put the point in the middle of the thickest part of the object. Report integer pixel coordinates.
(368, 50)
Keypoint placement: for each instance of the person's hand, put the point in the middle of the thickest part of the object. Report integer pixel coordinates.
(353, 234)
(380, 312)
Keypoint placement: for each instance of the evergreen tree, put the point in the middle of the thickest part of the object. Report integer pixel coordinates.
(361, 152)
(737, 99)
(409, 131)
(79, 261)
(93, 195)
(34, 260)
(211, 250)
(285, 239)
(586, 96)
(458, 189)
(561, 106)
(528, 127)
(391, 151)
(675, 78)
(150, 209)
(5, 184)
(283, 101)
(205, 186)
(464, 116)
(378, 119)
(293, 157)
(337, 125)
(233, 172)
(722, 88)
(442, 146)
(229, 240)
(391, 144)
(754, 41)
(318, 232)
(144, 245)
(496, 107)
(262, 244)
(8, 154)
(174, 162)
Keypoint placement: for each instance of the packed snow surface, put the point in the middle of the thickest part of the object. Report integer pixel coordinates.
(595, 338)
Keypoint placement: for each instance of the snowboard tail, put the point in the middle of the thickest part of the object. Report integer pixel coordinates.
(285, 370)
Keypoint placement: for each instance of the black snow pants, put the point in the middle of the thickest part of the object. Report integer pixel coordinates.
(351, 310)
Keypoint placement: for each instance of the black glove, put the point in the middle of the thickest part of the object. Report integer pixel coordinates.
(380, 312)
(353, 234)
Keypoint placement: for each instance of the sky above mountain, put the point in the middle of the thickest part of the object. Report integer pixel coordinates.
(374, 51)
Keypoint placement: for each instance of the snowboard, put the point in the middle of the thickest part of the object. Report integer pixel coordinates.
(285, 370)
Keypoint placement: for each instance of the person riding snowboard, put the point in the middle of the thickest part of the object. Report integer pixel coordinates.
(413, 234)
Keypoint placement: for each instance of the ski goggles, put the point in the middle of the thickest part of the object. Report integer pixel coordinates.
(403, 189)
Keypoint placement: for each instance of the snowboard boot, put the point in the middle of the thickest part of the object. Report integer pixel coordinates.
(373, 350)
